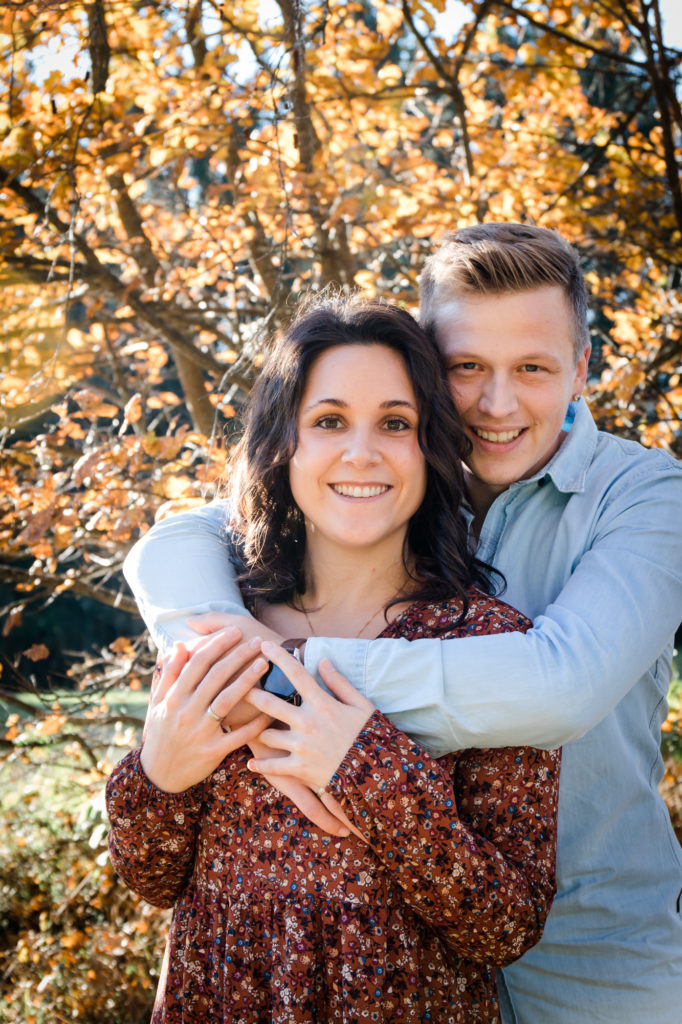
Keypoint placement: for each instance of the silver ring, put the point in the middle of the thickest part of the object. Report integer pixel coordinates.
(321, 790)
(211, 712)
(226, 728)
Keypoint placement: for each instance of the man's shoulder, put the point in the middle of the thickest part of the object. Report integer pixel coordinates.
(617, 462)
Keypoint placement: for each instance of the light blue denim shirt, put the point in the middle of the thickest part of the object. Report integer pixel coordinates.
(591, 548)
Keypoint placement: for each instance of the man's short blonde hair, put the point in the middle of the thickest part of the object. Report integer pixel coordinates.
(499, 258)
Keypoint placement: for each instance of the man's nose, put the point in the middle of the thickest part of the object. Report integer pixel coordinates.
(498, 396)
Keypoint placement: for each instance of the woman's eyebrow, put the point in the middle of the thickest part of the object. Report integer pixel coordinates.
(339, 403)
(391, 404)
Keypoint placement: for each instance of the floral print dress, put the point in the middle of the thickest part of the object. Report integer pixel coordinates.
(278, 922)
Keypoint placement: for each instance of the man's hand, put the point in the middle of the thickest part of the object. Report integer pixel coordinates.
(214, 622)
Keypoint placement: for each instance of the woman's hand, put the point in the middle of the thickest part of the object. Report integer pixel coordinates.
(183, 743)
(321, 810)
(319, 732)
(212, 623)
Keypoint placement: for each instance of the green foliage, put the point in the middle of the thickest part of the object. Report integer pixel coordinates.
(75, 945)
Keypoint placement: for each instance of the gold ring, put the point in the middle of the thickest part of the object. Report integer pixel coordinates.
(321, 790)
(211, 712)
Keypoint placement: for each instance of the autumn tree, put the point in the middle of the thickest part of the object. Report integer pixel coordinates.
(191, 167)
(174, 174)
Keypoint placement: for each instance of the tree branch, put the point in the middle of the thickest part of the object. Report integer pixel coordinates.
(51, 582)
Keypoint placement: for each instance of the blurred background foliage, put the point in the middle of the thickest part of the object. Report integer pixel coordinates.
(172, 176)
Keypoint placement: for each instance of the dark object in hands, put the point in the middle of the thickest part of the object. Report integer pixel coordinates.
(274, 680)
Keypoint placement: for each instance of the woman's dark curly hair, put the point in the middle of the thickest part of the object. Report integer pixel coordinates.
(268, 527)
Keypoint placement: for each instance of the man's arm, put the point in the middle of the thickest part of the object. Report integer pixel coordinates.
(609, 624)
(182, 567)
(613, 619)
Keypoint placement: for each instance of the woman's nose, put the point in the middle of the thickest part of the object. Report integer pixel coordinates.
(361, 449)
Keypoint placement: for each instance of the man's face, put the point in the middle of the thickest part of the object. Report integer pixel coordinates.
(512, 372)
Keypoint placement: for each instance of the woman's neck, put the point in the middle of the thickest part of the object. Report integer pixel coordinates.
(346, 591)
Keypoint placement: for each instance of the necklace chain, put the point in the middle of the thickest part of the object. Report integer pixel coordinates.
(362, 628)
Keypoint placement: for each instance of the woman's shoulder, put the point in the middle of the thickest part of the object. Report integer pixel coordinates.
(485, 615)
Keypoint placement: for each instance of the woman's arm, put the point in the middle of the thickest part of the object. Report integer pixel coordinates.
(152, 838)
(155, 794)
(478, 867)
(482, 872)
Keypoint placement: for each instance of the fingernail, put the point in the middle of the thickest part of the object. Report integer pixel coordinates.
(259, 665)
(255, 643)
(267, 645)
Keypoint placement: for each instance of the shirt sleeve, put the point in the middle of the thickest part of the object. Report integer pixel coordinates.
(153, 834)
(478, 867)
(614, 617)
(182, 567)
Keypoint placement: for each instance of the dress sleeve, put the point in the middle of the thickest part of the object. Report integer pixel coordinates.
(478, 867)
(153, 834)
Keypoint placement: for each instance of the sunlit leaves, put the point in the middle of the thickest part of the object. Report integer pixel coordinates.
(234, 160)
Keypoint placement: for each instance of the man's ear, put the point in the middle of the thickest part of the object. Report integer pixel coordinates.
(581, 368)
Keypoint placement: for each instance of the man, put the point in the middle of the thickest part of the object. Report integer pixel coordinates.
(585, 528)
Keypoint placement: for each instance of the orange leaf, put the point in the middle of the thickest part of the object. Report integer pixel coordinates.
(37, 652)
(51, 725)
(13, 619)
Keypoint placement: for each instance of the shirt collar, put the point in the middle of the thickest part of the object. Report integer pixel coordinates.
(568, 467)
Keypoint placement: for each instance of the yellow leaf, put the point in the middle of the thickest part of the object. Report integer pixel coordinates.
(177, 486)
(133, 409)
(390, 74)
(122, 645)
(388, 20)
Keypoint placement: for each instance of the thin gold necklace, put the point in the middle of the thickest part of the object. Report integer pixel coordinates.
(362, 628)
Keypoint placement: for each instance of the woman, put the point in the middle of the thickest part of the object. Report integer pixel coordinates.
(349, 519)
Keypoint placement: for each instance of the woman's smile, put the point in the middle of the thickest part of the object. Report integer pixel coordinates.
(360, 490)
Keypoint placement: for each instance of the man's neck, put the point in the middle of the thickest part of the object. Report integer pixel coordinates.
(481, 496)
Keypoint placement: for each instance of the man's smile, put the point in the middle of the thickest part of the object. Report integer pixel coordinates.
(498, 436)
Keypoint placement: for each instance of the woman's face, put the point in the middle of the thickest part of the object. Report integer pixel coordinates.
(358, 474)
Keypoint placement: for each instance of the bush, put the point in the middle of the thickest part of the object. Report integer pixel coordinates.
(75, 944)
